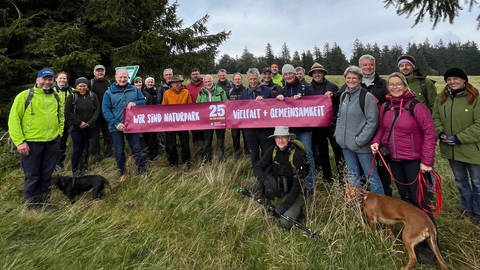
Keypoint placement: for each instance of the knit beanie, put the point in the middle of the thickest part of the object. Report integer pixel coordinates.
(81, 80)
(150, 78)
(455, 72)
(407, 59)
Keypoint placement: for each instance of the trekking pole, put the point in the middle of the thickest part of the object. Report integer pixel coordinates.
(271, 209)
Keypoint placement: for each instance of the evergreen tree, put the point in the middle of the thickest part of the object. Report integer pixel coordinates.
(335, 60)
(246, 61)
(284, 55)
(270, 58)
(307, 60)
(296, 61)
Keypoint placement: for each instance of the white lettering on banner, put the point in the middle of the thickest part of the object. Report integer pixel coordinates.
(181, 117)
(247, 114)
(295, 112)
(139, 119)
(154, 118)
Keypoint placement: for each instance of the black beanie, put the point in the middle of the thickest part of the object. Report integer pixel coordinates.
(81, 80)
(455, 72)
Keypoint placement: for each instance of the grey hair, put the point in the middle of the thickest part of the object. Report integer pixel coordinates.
(253, 71)
(366, 56)
(297, 69)
(237, 73)
(398, 75)
(222, 70)
(355, 70)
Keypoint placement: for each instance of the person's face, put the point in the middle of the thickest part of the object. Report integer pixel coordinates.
(121, 77)
(237, 80)
(195, 75)
(267, 76)
(352, 80)
(177, 86)
(367, 66)
(317, 75)
(222, 76)
(61, 79)
(396, 87)
(167, 75)
(149, 84)
(81, 88)
(300, 75)
(282, 141)
(44, 83)
(99, 73)
(289, 77)
(455, 83)
(274, 69)
(138, 84)
(252, 80)
(406, 69)
(208, 82)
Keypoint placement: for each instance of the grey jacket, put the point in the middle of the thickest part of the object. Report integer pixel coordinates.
(355, 129)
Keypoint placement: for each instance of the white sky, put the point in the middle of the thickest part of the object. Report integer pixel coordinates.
(302, 24)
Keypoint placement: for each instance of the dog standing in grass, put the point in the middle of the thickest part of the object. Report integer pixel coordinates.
(417, 225)
(72, 187)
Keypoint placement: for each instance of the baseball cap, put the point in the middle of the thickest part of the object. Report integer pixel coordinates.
(99, 67)
(45, 72)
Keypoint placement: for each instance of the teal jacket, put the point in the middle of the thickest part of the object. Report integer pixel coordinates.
(456, 117)
(218, 94)
(41, 121)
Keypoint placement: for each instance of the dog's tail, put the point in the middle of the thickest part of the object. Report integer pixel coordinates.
(433, 243)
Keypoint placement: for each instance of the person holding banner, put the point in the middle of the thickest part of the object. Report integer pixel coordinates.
(121, 95)
(211, 93)
(177, 94)
(295, 89)
(152, 97)
(356, 126)
(234, 94)
(257, 138)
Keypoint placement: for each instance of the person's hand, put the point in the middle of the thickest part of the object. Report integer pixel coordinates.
(452, 140)
(130, 105)
(23, 149)
(280, 97)
(374, 148)
(297, 96)
(84, 125)
(329, 94)
(121, 127)
(424, 168)
(259, 98)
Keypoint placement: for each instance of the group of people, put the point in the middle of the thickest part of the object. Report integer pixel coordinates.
(400, 117)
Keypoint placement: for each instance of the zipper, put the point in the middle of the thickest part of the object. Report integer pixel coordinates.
(451, 127)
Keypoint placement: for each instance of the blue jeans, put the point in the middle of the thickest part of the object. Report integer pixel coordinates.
(306, 139)
(119, 146)
(467, 178)
(353, 161)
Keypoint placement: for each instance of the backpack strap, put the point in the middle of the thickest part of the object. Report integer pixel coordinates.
(361, 99)
(28, 101)
(423, 86)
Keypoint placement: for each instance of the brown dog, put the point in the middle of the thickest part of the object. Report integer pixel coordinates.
(417, 225)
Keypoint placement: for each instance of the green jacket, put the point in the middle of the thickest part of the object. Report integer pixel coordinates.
(456, 117)
(415, 84)
(277, 79)
(217, 95)
(39, 122)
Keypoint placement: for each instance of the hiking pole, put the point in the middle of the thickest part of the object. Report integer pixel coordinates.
(271, 209)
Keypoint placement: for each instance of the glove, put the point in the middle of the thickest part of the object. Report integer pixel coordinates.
(452, 140)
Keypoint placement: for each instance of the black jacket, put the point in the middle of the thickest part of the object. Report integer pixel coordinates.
(378, 89)
(80, 109)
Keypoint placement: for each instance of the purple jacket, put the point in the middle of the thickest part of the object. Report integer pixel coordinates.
(412, 138)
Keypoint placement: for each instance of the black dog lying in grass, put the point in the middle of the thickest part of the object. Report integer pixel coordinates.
(72, 187)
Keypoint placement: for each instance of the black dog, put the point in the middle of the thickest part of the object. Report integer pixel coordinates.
(74, 186)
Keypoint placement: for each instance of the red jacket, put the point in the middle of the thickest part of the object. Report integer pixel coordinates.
(194, 89)
(413, 137)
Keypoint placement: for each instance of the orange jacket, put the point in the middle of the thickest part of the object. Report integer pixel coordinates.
(172, 97)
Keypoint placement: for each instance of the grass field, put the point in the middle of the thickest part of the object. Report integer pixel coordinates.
(195, 220)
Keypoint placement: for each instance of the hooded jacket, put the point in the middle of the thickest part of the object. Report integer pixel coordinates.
(39, 122)
(218, 94)
(457, 117)
(86, 109)
(115, 101)
(412, 137)
(194, 88)
(354, 129)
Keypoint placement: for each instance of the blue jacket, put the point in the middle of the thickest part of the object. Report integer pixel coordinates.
(289, 90)
(115, 100)
(261, 90)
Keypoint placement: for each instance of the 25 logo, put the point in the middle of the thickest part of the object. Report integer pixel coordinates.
(217, 110)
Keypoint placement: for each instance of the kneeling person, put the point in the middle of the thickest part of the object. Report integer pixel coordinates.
(278, 175)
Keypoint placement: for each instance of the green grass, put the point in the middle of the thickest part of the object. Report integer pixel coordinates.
(195, 220)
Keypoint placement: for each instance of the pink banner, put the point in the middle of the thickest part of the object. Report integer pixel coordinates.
(312, 111)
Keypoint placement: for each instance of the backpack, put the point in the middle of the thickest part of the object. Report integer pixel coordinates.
(302, 171)
(410, 108)
(31, 92)
(361, 99)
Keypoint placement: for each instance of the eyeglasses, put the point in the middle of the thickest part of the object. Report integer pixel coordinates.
(393, 85)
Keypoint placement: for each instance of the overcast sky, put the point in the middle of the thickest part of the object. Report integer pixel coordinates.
(302, 24)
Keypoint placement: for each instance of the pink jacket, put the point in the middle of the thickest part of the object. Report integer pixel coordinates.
(412, 138)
